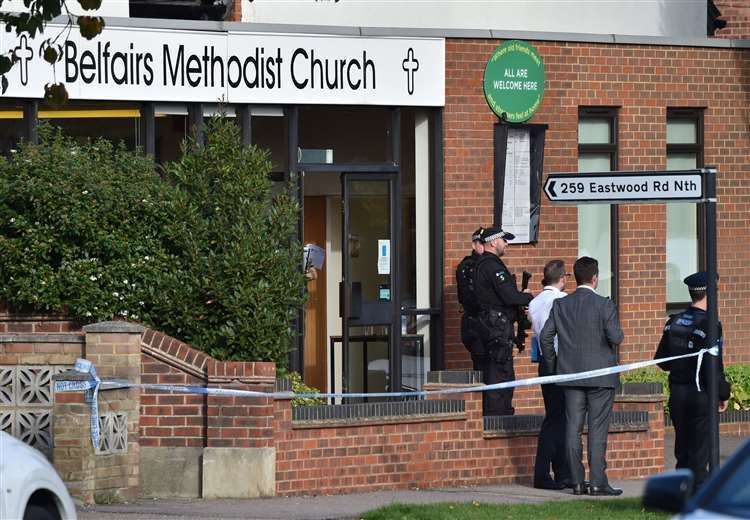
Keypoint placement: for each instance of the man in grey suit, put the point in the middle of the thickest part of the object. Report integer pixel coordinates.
(588, 332)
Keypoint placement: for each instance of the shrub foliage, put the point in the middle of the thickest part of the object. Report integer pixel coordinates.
(205, 252)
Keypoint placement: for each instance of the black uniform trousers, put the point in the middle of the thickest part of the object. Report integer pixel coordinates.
(596, 402)
(688, 409)
(498, 368)
(496, 364)
(550, 448)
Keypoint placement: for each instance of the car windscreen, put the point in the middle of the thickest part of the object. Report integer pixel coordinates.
(733, 497)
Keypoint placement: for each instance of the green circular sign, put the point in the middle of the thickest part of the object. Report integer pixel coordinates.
(514, 81)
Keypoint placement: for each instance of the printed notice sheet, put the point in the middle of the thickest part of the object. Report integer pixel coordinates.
(517, 192)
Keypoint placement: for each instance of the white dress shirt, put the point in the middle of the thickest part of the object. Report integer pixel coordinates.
(540, 307)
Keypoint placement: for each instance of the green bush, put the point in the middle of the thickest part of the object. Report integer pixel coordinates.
(79, 230)
(204, 253)
(737, 375)
(242, 284)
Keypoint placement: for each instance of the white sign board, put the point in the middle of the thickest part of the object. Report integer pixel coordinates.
(384, 256)
(517, 190)
(141, 64)
(616, 187)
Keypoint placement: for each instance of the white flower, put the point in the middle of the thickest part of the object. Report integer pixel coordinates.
(125, 282)
(147, 258)
(85, 192)
(12, 220)
(115, 294)
(88, 314)
(92, 278)
(141, 304)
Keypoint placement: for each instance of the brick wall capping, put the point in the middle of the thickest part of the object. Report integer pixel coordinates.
(389, 411)
(114, 327)
(455, 377)
(728, 417)
(42, 338)
(641, 388)
(654, 398)
(254, 379)
(525, 425)
(378, 421)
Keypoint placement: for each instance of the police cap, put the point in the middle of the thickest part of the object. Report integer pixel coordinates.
(698, 281)
(476, 236)
(495, 232)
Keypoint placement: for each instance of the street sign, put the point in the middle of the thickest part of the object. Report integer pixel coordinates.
(620, 187)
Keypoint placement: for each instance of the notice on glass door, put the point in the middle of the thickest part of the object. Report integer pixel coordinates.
(517, 192)
(384, 256)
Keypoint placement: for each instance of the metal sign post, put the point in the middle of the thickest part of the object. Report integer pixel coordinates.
(659, 187)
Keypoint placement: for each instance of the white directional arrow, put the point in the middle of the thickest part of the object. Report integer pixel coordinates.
(618, 187)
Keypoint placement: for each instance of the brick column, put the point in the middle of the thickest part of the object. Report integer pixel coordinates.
(239, 460)
(73, 453)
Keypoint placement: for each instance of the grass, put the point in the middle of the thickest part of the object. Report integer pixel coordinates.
(627, 508)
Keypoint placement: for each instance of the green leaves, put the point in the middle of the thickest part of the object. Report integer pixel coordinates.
(90, 26)
(203, 254)
(55, 94)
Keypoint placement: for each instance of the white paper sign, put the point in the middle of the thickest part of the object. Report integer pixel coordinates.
(139, 64)
(384, 256)
(517, 192)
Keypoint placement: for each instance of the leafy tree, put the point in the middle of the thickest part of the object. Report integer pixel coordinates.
(205, 253)
(240, 259)
(33, 22)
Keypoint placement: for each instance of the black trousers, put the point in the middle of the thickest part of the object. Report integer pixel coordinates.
(496, 365)
(596, 402)
(688, 409)
(550, 448)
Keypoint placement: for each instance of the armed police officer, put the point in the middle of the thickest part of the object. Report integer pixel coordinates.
(467, 297)
(686, 333)
(499, 302)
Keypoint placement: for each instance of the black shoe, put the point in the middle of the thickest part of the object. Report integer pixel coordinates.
(570, 484)
(549, 484)
(604, 491)
(580, 489)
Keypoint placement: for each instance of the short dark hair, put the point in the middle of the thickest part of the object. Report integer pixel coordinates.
(554, 270)
(585, 269)
(697, 295)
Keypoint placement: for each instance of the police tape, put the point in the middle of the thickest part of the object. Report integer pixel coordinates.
(92, 385)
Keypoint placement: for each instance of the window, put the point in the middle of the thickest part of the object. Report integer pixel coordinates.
(597, 152)
(684, 152)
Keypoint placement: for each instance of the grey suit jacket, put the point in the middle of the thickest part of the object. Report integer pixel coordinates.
(588, 331)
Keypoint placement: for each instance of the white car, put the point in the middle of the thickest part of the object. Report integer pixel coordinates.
(31, 488)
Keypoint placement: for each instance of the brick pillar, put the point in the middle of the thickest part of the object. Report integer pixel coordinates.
(73, 453)
(239, 460)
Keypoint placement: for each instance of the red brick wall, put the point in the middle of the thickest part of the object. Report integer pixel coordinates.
(737, 15)
(191, 420)
(644, 81)
(423, 454)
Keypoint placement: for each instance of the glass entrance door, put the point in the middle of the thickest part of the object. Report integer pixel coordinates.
(370, 295)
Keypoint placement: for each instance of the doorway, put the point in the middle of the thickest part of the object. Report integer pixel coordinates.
(371, 322)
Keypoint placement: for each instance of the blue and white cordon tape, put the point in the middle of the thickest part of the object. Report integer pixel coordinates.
(94, 384)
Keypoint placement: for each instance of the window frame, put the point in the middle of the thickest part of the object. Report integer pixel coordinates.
(696, 115)
(612, 149)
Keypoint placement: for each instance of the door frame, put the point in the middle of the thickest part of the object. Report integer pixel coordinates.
(394, 344)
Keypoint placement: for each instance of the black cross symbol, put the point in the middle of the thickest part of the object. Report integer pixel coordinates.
(410, 65)
(24, 53)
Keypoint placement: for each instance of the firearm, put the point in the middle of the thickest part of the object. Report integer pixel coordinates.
(523, 322)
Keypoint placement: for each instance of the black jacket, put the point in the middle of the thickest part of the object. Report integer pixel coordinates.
(685, 333)
(496, 289)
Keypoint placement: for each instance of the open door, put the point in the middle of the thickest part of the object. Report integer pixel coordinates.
(370, 296)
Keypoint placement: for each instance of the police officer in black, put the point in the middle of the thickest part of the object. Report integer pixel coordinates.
(499, 303)
(470, 336)
(686, 333)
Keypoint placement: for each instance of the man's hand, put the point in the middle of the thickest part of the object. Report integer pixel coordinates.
(527, 291)
(723, 406)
